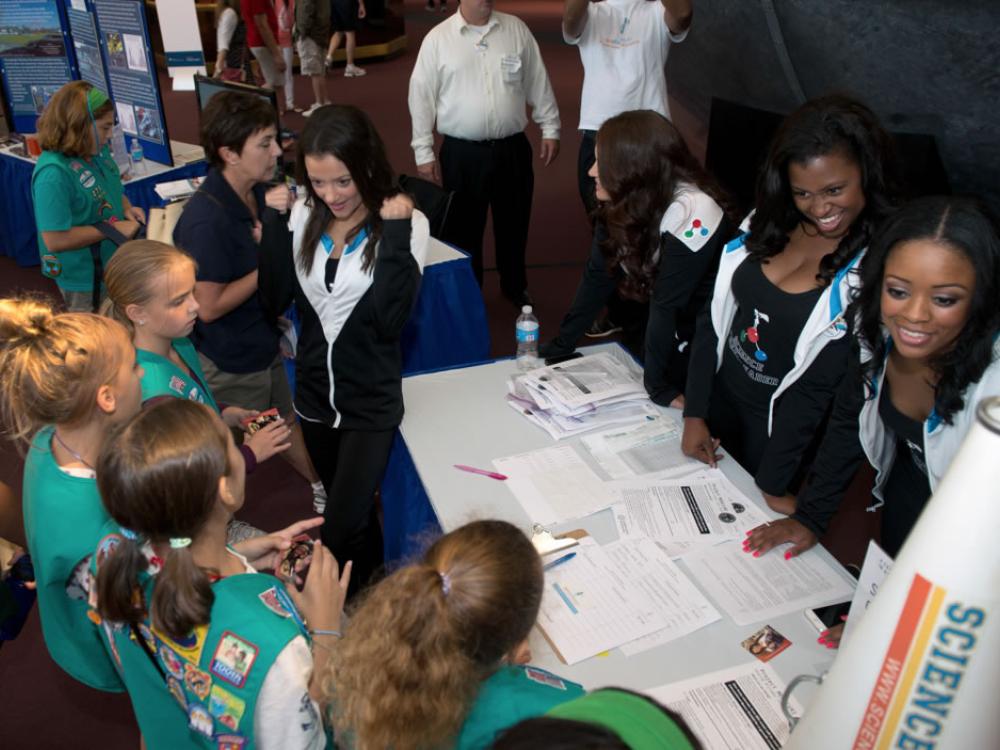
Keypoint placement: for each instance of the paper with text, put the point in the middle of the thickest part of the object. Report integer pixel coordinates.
(873, 572)
(592, 604)
(554, 484)
(733, 709)
(666, 589)
(752, 589)
(650, 447)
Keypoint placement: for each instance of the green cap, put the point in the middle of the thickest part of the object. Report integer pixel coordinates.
(640, 724)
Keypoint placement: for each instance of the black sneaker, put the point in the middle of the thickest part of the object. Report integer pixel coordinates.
(601, 328)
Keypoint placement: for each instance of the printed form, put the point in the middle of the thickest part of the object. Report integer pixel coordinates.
(651, 447)
(593, 603)
(554, 484)
(752, 589)
(733, 709)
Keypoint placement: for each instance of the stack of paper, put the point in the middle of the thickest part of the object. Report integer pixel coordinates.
(178, 189)
(593, 392)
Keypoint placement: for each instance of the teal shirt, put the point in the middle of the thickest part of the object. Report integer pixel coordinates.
(71, 192)
(207, 694)
(163, 378)
(63, 519)
(509, 696)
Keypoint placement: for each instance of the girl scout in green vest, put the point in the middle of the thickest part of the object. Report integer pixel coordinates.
(151, 292)
(435, 653)
(212, 653)
(67, 381)
(76, 185)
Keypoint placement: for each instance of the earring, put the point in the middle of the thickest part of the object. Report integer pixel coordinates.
(142, 322)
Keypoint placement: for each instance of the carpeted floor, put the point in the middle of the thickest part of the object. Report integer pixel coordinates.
(33, 687)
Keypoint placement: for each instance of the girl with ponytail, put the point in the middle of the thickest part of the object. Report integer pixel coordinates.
(433, 654)
(211, 652)
(68, 379)
(151, 292)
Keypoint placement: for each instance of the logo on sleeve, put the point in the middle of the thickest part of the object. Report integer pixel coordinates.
(696, 228)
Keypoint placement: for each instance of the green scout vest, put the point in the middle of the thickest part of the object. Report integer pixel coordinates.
(63, 519)
(97, 196)
(509, 696)
(204, 693)
(161, 377)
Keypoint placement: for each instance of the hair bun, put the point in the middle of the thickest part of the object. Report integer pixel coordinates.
(25, 318)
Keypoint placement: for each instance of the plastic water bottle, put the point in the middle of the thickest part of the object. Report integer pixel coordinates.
(527, 340)
(138, 164)
(119, 151)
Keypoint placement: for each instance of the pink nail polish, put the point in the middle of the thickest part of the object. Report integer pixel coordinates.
(830, 645)
(788, 555)
(756, 554)
(750, 532)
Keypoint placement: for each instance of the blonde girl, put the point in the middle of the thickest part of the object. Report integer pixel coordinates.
(433, 655)
(68, 379)
(151, 292)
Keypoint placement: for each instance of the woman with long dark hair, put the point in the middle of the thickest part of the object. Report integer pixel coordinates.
(772, 345)
(353, 268)
(660, 227)
(928, 326)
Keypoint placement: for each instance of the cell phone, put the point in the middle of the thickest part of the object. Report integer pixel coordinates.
(824, 618)
(295, 564)
(549, 361)
(253, 424)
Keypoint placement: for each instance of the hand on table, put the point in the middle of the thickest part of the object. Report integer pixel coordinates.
(763, 538)
(697, 442)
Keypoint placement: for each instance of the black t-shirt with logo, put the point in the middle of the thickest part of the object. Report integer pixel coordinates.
(907, 489)
(760, 347)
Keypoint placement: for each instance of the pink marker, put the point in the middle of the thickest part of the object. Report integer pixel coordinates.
(482, 472)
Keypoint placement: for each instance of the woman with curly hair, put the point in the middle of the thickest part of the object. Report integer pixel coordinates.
(928, 326)
(433, 654)
(772, 346)
(659, 231)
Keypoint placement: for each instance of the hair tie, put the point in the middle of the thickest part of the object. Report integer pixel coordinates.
(180, 542)
(95, 99)
(445, 583)
(128, 534)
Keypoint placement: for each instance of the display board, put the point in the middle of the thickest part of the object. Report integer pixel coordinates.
(131, 70)
(35, 57)
(87, 45)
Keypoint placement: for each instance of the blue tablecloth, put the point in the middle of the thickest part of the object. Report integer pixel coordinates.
(18, 237)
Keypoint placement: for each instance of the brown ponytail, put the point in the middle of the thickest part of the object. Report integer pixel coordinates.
(159, 477)
(409, 666)
(53, 364)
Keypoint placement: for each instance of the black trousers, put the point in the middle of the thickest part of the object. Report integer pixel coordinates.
(626, 313)
(350, 463)
(496, 176)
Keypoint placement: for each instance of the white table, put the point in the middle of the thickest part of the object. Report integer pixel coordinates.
(459, 417)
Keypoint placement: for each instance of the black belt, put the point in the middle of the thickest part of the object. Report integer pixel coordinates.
(488, 141)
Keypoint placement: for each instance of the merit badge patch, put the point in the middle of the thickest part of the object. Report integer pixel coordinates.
(230, 741)
(174, 686)
(197, 682)
(188, 648)
(544, 678)
(147, 636)
(226, 708)
(172, 662)
(233, 659)
(199, 720)
(273, 602)
(697, 227)
(51, 266)
(87, 179)
(176, 385)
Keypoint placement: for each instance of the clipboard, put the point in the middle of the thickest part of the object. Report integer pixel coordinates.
(543, 539)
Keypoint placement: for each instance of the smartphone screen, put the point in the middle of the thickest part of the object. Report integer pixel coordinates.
(828, 616)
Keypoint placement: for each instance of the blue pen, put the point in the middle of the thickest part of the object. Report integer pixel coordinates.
(560, 561)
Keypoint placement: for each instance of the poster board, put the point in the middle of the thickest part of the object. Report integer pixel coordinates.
(87, 45)
(35, 57)
(181, 42)
(131, 72)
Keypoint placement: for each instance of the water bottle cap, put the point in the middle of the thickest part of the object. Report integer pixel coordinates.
(526, 309)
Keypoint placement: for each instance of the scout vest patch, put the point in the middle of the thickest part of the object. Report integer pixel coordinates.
(544, 678)
(233, 659)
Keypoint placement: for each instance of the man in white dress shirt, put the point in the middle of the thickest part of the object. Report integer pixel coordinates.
(474, 76)
(623, 47)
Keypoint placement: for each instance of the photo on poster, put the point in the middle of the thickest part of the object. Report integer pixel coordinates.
(135, 52)
(116, 50)
(126, 117)
(89, 60)
(40, 96)
(148, 121)
(33, 31)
